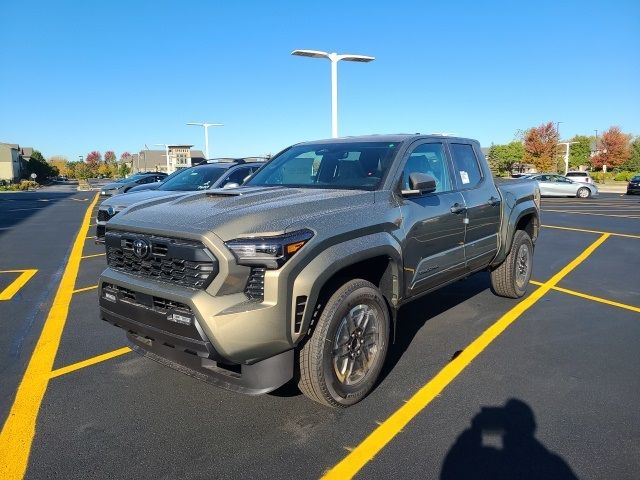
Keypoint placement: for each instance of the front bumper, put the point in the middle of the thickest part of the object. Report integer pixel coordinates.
(186, 347)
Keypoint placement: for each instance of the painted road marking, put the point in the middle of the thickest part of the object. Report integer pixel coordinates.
(17, 284)
(383, 434)
(92, 256)
(598, 232)
(19, 428)
(591, 297)
(573, 212)
(89, 361)
(85, 289)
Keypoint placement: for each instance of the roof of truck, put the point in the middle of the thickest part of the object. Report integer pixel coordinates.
(397, 137)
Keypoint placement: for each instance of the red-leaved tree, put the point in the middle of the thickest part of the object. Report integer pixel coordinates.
(109, 156)
(612, 149)
(94, 158)
(540, 145)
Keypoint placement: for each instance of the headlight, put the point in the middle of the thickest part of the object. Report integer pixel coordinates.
(271, 252)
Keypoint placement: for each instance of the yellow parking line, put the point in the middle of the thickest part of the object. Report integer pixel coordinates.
(89, 361)
(592, 297)
(85, 289)
(598, 232)
(384, 433)
(92, 256)
(19, 428)
(573, 212)
(17, 284)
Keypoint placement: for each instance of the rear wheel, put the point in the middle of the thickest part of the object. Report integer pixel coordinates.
(341, 361)
(583, 192)
(511, 277)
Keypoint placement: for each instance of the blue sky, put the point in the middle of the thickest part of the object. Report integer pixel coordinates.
(77, 76)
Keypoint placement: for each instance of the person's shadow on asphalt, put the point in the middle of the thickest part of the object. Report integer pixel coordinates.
(501, 445)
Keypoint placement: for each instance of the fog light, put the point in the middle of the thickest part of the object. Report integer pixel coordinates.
(177, 318)
(109, 296)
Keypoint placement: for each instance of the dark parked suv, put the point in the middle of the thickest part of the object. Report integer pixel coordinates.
(634, 185)
(301, 271)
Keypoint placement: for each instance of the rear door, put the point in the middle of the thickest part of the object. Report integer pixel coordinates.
(482, 202)
(433, 246)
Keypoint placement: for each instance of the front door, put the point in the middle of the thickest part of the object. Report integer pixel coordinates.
(434, 222)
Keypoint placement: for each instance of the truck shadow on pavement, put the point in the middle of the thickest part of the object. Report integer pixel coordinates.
(413, 316)
(500, 444)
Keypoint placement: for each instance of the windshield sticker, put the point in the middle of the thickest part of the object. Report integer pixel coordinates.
(464, 176)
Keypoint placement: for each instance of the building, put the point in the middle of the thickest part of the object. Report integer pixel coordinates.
(180, 156)
(11, 161)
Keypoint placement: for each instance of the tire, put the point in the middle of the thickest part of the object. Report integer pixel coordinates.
(583, 192)
(341, 339)
(511, 278)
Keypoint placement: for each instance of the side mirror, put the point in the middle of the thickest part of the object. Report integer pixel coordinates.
(420, 183)
(230, 185)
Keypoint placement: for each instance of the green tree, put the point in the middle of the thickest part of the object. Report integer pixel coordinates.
(38, 165)
(633, 164)
(580, 152)
(124, 170)
(502, 158)
(83, 171)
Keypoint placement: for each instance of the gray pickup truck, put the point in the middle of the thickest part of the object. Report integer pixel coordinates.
(299, 273)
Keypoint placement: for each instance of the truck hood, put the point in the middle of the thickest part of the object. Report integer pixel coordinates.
(120, 202)
(243, 211)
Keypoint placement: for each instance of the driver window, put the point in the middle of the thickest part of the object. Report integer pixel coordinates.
(428, 158)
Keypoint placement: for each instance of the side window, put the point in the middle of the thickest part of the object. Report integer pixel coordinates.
(466, 164)
(238, 175)
(428, 158)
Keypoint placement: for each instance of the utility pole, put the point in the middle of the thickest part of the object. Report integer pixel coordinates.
(566, 155)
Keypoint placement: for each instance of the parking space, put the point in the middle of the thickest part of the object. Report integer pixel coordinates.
(546, 365)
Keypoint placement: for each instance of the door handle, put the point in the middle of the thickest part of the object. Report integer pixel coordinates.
(457, 208)
(493, 201)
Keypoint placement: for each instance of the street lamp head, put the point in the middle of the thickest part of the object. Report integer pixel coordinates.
(203, 124)
(310, 53)
(356, 58)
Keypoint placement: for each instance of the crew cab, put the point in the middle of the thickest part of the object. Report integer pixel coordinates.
(300, 272)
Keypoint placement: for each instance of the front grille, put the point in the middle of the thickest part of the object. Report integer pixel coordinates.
(163, 305)
(103, 216)
(255, 285)
(180, 262)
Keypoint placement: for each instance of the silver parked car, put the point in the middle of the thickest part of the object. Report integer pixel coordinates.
(125, 184)
(553, 185)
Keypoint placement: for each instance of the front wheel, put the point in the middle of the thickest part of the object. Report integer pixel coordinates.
(341, 361)
(583, 192)
(511, 277)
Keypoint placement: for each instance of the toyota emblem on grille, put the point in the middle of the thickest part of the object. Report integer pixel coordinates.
(140, 248)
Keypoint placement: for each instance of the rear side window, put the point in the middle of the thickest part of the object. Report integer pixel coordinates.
(577, 174)
(467, 169)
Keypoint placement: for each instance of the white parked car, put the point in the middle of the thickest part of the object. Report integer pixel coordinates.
(553, 185)
(582, 177)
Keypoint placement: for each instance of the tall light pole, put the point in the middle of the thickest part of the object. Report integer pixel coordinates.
(558, 128)
(206, 134)
(166, 151)
(334, 58)
(566, 154)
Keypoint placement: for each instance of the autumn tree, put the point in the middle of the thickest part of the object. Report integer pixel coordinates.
(83, 171)
(109, 156)
(125, 157)
(580, 151)
(104, 170)
(502, 158)
(613, 149)
(540, 146)
(94, 158)
(60, 162)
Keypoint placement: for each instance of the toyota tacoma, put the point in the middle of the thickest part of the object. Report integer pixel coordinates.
(299, 273)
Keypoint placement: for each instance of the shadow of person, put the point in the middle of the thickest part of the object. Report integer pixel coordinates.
(501, 445)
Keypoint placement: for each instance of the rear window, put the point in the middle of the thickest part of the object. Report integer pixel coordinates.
(636, 178)
(577, 174)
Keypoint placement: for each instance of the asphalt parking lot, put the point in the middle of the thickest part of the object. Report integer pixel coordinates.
(544, 387)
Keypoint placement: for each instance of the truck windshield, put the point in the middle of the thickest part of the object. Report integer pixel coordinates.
(191, 179)
(357, 165)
